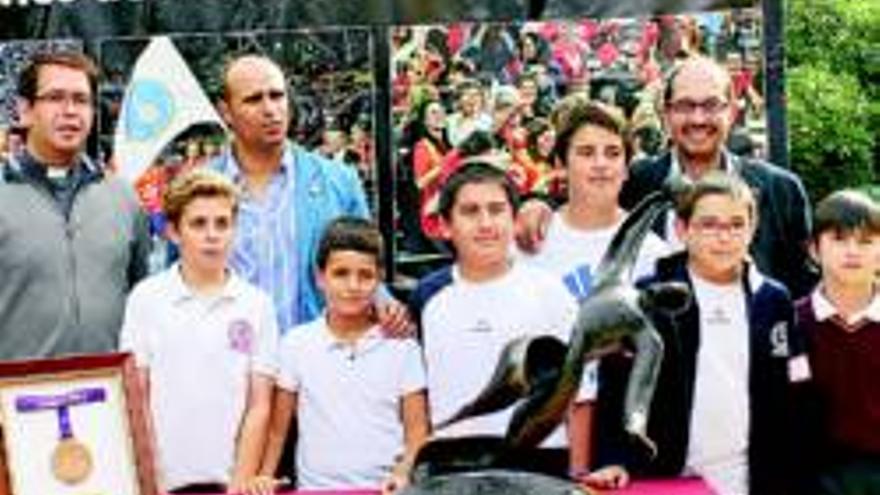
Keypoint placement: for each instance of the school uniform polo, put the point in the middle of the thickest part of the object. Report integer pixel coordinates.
(199, 352)
(845, 365)
(348, 403)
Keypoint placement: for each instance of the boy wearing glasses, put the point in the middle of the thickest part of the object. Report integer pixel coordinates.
(723, 399)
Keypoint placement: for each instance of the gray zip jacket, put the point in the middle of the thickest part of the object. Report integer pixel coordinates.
(64, 277)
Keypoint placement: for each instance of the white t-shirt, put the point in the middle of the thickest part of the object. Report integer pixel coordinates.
(573, 255)
(719, 430)
(459, 128)
(199, 352)
(348, 403)
(466, 325)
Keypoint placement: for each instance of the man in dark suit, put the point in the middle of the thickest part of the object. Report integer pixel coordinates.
(698, 114)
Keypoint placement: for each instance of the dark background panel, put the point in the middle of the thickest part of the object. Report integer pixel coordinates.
(101, 18)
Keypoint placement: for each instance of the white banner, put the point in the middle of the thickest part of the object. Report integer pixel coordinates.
(163, 99)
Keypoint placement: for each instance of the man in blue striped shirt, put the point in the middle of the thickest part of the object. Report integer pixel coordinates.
(289, 194)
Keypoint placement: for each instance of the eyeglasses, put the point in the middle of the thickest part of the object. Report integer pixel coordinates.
(58, 97)
(714, 227)
(685, 106)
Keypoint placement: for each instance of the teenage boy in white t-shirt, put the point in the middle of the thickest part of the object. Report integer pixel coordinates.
(592, 146)
(469, 311)
(204, 342)
(356, 397)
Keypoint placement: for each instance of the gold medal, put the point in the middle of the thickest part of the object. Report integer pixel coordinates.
(71, 461)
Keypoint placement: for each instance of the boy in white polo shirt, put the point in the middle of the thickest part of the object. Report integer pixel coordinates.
(358, 398)
(468, 312)
(204, 341)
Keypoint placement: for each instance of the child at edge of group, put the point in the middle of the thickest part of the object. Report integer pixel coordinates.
(356, 397)
(841, 324)
(469, 311)
(205, 344)
(732, 358)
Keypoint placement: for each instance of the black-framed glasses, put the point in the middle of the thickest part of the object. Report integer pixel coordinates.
(714, 227)
(687, 106)
(59, 97)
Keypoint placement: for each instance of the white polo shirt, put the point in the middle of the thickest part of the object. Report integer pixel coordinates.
(200, 352)
(466, 325)
(348, 403)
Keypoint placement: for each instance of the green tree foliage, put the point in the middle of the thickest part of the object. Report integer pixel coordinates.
(829, 129)
(833, 87)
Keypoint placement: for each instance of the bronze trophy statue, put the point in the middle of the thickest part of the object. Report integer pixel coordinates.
(542, 375)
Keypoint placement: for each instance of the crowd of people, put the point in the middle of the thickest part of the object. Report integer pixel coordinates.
(275, 319)
(504, 80)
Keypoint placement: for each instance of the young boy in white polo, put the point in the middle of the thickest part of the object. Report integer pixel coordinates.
(357, 397)
(205, 345)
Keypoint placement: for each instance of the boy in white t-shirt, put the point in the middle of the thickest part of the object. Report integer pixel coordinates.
(591, 144)
(468, 312)
(204, 342)
(356, 397)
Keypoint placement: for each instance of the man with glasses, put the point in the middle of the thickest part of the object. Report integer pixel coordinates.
(698, 114)
(73, 240)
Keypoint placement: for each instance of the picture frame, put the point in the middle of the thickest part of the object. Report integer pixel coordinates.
(74, 425)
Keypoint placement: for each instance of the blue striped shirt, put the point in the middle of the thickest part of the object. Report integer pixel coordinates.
(264, 252)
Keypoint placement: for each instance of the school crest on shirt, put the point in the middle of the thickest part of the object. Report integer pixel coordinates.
(241, 336)
(779, 340)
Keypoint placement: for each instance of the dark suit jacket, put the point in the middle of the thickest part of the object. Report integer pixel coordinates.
(779, 248)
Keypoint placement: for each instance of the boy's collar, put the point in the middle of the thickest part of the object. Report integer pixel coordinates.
(457, 275)
(824, 309)
(331, 341)
(181, 292)
(749, 273)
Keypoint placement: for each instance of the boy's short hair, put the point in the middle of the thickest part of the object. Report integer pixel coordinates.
(349, 233)
(716, 182)
(197, 183)
(475, 170)
(576, 111)
(846, 210)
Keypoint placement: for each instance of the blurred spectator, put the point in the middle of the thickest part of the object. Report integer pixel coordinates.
(333, 143)
(551, 176)
(747, 99)
(4, 144)
(531, 102)
(430, 147)
(470, 113)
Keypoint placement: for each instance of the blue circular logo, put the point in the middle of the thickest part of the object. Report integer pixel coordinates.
(148, 110)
